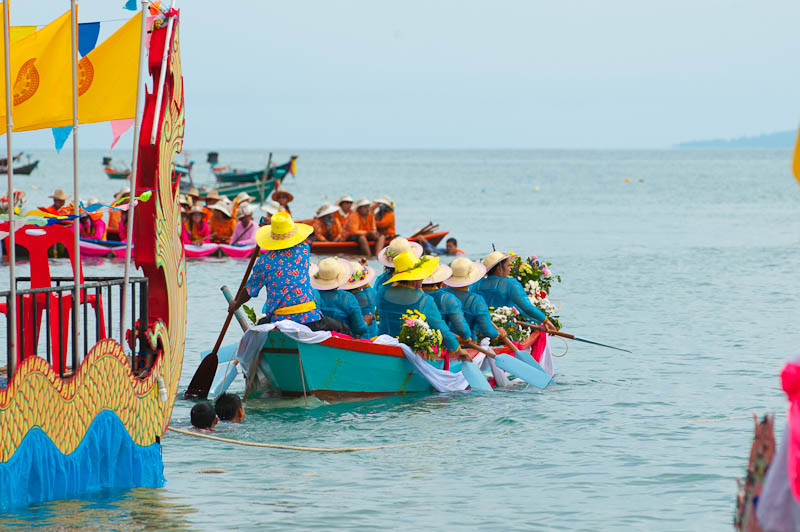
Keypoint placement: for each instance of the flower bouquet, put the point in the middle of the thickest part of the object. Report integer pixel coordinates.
(418, 335)
(503, 318)
(537, 279)
(18, 199)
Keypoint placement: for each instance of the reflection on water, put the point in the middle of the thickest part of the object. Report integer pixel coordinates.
(137, 509)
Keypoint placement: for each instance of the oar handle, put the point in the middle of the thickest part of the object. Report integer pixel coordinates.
(507, 341)
(476, 347)
(544, 329)
(253, 257)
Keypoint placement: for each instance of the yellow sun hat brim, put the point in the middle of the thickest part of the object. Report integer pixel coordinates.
(265, 241)
(418, 273)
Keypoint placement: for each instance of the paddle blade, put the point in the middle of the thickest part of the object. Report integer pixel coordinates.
(529, 360)
(529, 374)
(203, 378)
(474, 377)
(223, 379)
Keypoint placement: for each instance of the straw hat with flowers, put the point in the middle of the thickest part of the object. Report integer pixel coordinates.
(282, 233)
(330, 273)
(362, 276)
(465, 272)
(397, 246)
(407, 267)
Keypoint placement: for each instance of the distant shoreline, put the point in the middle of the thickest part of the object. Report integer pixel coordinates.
(777, 140)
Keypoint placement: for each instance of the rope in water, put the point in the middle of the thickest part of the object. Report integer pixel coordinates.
(298, 448)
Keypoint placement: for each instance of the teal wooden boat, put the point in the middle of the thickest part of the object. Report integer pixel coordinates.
(341, 368)
(251, 176)
(338, 368)
(260, 190)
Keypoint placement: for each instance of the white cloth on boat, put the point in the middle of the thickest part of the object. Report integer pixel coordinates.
(253, 340)
(500, 376)
(441, 380)
(547, 358)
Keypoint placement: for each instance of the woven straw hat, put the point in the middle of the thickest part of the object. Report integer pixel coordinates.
(221, 207)
(244, 211)
(385, 200)
(346, 197)
(326, 209)
(282, 233)
(465, 272)
(442, 272)
(493, 258)
(363, 202)
(124, 191)
(397, 246)
(213, 194)
(330, 273)
(362, 276)
(272, 207)
(282, 192)
(59, 194)
(197, 209)
(407, 267)
(241, 197)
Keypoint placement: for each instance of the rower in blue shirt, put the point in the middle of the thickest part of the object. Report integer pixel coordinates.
(359, 286)
(449, 306)
(405, 295)
(475, 309)
(386, 257)
(500, 290)
(330, 274)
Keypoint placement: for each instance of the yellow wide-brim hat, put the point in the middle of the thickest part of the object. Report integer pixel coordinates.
(465, 272)
(362, 276)
(330, 273)
(282, 233)
(407, 267)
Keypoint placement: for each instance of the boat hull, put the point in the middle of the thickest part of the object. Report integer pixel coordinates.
(351, 248)
(239, 177)
(338, 368)
(260, 190)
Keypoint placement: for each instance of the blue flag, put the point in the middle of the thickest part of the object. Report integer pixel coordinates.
(130, 5)
(60, 136)
(87, 37)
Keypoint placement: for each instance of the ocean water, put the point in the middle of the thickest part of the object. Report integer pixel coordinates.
(692, 265)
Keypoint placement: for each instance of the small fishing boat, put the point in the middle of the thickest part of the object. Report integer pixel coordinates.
(340, 368)
(351, 248)
(261, 190)
(179, 172)
(25, 169)
(226, 175)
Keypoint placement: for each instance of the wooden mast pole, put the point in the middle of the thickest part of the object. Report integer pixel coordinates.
(137, 126)
(11, 315)
(76, 253)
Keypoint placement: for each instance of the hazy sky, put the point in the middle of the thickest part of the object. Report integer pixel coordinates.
(466, 74)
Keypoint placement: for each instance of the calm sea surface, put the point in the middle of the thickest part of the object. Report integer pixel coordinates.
(692, 265)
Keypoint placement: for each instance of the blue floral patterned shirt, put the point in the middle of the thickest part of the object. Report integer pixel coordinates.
(284, 276)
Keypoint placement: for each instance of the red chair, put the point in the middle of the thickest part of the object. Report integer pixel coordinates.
(38, 241)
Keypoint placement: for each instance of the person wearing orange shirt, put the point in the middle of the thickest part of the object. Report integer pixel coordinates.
(360, 227)
(212, 198)
(326, 227)
(384, 217)
(58, 207)
(345, 203)
(222, 224)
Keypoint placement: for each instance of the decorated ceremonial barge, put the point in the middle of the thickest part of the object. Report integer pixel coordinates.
(72, 424)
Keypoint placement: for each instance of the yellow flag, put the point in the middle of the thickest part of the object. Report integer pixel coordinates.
(41, 69)
(108, 75)
(796, 160)
(18, 33)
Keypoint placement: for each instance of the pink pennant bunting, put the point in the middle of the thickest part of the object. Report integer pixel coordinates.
(119, 127)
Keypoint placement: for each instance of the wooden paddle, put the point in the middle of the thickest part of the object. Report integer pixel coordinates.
(204, 376)
(423, 230)
(529, 374)
(522, 355)
(566, 335)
